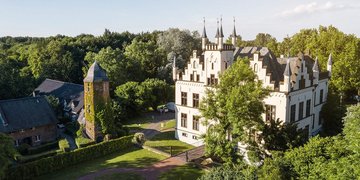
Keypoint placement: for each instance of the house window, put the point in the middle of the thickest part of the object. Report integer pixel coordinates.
(308, 104)
(191, 77)
(321, 96)
(180, 76)
(306, 131)
(195, 123)
(17, 142)
(301, 110)
(183, 98)
(183, 120)
(302, 83)
(195, 100)
(270, 112)
(314, 98)
(212, 66)
(37, 138)
(313, 122)
(226, 66)
(197, 78)
(292, 113)
(194, 64)
(194, 137)
(184, 134)
(212, 80)
(255, 67)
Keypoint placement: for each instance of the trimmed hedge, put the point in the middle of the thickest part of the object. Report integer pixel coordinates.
(43, 148)
(25, 159)
(60, 161)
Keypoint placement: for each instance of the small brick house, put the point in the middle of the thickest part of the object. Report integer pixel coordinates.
(29, 120)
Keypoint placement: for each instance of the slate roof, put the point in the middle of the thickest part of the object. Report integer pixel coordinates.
(25, 113)
(69, 92)
(96, 74)
(275, 67)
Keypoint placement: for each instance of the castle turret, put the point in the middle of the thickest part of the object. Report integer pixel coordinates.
(96, 97)
(233, 36)
(221, 37)
(329, 64)
(315, 70)
(174, 69)
(287, 77)
(217, 36)
(204, 38)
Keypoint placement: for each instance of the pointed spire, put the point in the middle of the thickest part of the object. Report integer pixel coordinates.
(287, 71)
(221, 29)
(204, 31)
(316, 65)
(330, 60)
(234, 30)
(217, 31)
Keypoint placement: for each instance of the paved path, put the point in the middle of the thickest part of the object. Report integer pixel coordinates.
(149, 173)
(154, 127)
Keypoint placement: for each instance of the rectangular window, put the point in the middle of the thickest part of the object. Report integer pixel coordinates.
(195, 100)
(197, 78)
(194, 137)
(212, 80)
(270, 112)
(191, 77)
(313, 122)
(308, 104)
(183, 98)
(37, 138)
(314, 98)
(321, 96)
(306, 131)
(17, 142)
(302, 83)
(196, 123)
(184, 134)
(292, 113)
(301, 110)
(183, 120)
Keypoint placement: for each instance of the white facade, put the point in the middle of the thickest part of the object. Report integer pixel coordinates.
(299, 89)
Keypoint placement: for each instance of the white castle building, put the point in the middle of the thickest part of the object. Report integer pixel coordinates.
(298, 87)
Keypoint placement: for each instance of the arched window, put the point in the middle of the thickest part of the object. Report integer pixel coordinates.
(255, 67)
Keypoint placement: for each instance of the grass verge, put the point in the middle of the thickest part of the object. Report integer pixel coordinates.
(185, 172)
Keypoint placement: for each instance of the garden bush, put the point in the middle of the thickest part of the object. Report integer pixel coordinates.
(64, 145)
(62, 160)
(139, 139)
(43, 148)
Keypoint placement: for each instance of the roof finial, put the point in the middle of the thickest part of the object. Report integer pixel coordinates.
(217, 31)
(234, 30)
(204, 30)
(221, 30)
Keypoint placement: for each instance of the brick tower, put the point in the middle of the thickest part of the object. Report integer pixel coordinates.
(96, 96)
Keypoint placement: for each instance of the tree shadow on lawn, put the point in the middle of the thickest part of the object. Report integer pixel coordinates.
(130, 158)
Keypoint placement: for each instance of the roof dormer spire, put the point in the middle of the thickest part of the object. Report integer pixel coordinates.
(204, 30)
(217, 31)
(234, 30)
(221, 29)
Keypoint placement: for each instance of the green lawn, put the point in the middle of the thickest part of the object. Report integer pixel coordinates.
(138, 123)
(164, 140)
(132, 157)
(169, 124)
(122, 176)
(185, 172)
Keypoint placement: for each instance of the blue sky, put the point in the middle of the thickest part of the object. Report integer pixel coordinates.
(73, 17)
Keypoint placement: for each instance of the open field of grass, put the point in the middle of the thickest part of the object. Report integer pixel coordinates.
(185, 172)
(132, 157)
(165, 140)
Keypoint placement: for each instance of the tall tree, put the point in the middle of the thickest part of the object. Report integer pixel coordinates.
(7, 152)
(233, 108)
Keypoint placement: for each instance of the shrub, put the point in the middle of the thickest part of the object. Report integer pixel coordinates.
(42, 148)
(83, 142)
(62, 160)
(25, 159)
(64, 145)
(139, 139)
(23, 148)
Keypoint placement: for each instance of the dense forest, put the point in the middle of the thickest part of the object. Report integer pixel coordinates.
(26, 61)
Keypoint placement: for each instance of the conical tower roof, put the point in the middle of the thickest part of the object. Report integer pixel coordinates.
(316, 65)
(96, 73)
(204, 31)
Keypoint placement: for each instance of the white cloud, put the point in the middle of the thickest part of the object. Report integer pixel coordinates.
(314, 7)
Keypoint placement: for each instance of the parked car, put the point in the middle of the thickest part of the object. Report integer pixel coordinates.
(171, 106)
(163, 109)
